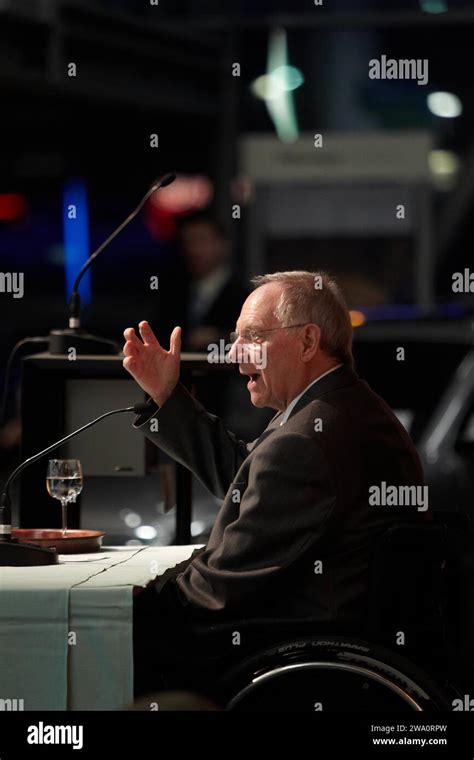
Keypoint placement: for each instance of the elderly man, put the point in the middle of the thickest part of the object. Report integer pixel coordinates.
(294, 532)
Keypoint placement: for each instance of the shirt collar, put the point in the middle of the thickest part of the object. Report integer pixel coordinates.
(293, 403)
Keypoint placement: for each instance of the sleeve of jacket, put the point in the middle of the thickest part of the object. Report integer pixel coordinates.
(288, 505)
(194, 438)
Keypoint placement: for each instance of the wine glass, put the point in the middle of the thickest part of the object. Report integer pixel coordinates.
(64, 482)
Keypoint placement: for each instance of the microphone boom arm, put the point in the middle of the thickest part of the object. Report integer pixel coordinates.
(74, 302)
(5, 507)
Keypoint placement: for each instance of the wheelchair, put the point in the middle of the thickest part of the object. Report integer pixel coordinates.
(301, 665)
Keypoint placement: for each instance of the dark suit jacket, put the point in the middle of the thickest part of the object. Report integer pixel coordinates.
(294, 532)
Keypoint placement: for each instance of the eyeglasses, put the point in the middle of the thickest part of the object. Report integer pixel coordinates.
(255, 336)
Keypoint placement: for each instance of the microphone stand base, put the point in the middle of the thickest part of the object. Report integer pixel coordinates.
(61, 342)
(15, 554)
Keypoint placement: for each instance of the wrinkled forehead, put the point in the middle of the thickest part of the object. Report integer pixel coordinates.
(258, 310)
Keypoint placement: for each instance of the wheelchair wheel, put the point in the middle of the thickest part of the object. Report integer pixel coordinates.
(332, 675)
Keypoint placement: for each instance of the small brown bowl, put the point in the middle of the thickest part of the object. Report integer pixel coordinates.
(74, 542)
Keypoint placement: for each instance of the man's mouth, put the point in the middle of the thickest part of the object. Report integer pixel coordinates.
(254, 376)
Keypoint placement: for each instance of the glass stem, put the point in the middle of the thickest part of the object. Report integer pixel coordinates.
(63, 511)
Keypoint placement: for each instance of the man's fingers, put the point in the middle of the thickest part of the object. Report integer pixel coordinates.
(130, 349)
(175, 342)
(130, 335)
(147, 334)
(128, 363)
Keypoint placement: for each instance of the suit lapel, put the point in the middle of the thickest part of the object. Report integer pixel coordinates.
(341, 377)
(272, 425)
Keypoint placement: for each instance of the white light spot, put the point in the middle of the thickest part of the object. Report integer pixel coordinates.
(146, 532)
(197, 527)
(267, 87)
(443, 162)
(444, 104)
(290, 77)
(130, 518)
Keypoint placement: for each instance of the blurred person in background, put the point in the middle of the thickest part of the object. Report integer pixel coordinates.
(215, 294)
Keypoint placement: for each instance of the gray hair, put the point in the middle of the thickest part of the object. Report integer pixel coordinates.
(314, 298)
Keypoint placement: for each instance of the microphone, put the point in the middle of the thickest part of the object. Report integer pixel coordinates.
(60, 341)
(14, 552)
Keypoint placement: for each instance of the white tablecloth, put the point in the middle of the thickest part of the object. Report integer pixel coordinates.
(66, 629)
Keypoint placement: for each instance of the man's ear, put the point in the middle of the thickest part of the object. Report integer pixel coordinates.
(311, 341)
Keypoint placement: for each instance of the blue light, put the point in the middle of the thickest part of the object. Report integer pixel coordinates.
(76, 236)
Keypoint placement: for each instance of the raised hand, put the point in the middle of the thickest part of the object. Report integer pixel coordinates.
(155, 369)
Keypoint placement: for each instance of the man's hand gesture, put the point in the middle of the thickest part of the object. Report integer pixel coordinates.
(155, 369)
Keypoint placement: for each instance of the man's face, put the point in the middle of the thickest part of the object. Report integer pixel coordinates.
(203, 248)
(272, 384)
